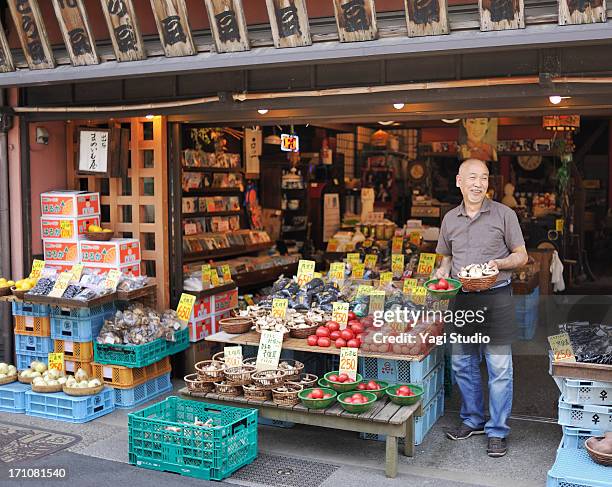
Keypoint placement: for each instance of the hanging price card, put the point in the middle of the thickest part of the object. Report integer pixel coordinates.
(268, 355)
(353, 258)
(185, 307)
(348, 362)
(77, 270)
(562, 348)
(559, 223)
(409, 285)
(397, 265)
(385, 278)
(214, 277)
(305, 272)
(426, 264)
(63, 281)
(226, 272)
(112, 279)
(336, 271)
(377, 301)
(340, 314)
(358, 271)
(397, 245)
(415, 238)
(419, 294)
(364, 289)
(279, 308)
(232, 356)
(56, 361)
(205, 276)
(37, 268)
(370, 261)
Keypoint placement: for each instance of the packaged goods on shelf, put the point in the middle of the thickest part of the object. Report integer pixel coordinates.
(212, 224)
(198, 158)
(210, 204)
(198, 181)
(116, 252)
(65, 228)
(70, 203)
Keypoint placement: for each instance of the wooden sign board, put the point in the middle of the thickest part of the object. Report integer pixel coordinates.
(426, 18)
(289, 23)
(103, 152)
(228, 25)
(573, 12)
(173, 27)
(501, 14)
(32, 33)
(6, 58)
(76, 32)
(356, 20)
(124, 30)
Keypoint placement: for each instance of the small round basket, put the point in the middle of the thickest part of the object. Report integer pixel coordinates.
(357, 408)
(292, 368)
(19, 294)
(405, 400)
(604, 459)
(210, 370)
(286, 395)
(45, 389)
(269, 379)
(304, 380)
(25, 380)
(219, 356)
(82, 391)
(285, 334)
(99, 236)
(249, 361)
(253, 392)
(229, 390)
(8, 379)
(342, 386)
(236, 326)
(472, 284)
(303, 332)
(5, 291)
(240, 376)
(197, 386)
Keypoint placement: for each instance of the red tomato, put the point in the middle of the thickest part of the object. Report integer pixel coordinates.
(340, 342)
(372, 386)
(326, 396)
(317, 394)
(352, 316)
(356, 327)
(433, 287)
(312, 340)
(347, 334)
(343, 377)
(443, 284)
(333, 378)
(309, 396)
(323, 342)
(404, 389)
(322, 331)
(353, 343)
(348, 400)
(332, 325)
(362, 387)
(334, 335)
(360, 337)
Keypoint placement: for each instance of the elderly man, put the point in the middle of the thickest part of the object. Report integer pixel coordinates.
(483, 231)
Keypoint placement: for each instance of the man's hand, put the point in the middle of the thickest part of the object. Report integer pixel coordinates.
(517, 258)
(493, 265)
(444, 269)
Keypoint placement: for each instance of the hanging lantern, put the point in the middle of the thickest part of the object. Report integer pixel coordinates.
(561, 123)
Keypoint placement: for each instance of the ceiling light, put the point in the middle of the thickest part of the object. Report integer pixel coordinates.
(450, 120)
(389, 122)
(149, 116)
(263, 111)
(398, 106)
(555, 99)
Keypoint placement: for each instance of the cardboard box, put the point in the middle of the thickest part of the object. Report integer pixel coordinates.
(70, 203)
(117, 252)
(62, 228)
(59, 266)
(202, 308)
(61, 251)
(201, 328)
(127, 270)
(225, 301)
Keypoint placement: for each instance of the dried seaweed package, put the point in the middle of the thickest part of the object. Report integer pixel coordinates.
(303, 301)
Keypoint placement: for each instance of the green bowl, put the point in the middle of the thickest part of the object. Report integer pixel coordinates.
(379, 393)
(342, 386)
(405, 400)
(443, 294)
(357, 408)
(317, 403)
(323, 383)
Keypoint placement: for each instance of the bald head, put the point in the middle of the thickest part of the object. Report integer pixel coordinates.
(473, 180)
(473, 165)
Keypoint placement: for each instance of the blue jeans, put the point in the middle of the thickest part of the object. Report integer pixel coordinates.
(466, 366)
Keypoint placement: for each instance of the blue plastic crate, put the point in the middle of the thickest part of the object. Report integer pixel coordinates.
(527, 312)
(72, 409)
(574, 438)
(25, 359)
(401, 371)
(585, 416)
(129, 398)
(12, 397)
(102, 309)
(77, 329)
(574, 468)
(33, 344)
(22, 308)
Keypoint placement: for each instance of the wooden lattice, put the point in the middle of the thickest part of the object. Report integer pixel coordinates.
(135, 206)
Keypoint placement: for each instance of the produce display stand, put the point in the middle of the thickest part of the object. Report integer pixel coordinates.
(384, 418)
(147, 293)
(71, 303)
(583, 371)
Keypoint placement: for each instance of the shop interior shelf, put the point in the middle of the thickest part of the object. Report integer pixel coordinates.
(212, 191)
(236, 170)
(229, 252)
(200, 214)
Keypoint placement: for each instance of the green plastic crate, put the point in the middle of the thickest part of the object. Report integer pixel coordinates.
(163, 437)
(140, 355)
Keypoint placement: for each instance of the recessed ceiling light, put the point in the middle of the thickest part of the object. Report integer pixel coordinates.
(149, 116)
(263, 111)
(450, 120)
(555, 99)
(389, 122)
(398, 106)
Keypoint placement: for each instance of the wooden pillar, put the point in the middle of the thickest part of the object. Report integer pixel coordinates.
(610, 164)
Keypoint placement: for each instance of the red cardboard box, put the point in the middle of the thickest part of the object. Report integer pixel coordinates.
(58, 266)
(62, 228)
(225, 301)
(132, 270)
(202, 308)
(116, 252)
(70, 203)
(200, 329)
(61, 251)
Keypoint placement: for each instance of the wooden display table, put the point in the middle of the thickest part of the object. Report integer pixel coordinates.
(582, 371)
(385, 418)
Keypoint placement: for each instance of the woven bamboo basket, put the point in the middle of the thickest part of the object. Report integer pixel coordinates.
(210, 375)
(240, 376)
(286, 395)
(197, 386)
(285, 334)
(8, 380)
(25, 380)
(99, 236)
(249, 361)
(219, 356)
(236, 326)
(253, 392)
(19, 294)
(82, 391)
(305, 380)
(472, 284)
(5, 291)
(292, 369)
(269, 379)
(604, 459)
(45, 389)
(225, 389)
(303, 332)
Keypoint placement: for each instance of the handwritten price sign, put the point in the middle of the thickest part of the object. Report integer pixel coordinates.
(214, 278)
(377, 301)
(305, 272)
(66, 229)
(112, 279)
(348, 362)
(76, 271)
(353, 258)
(37, 268)
(205, 276)
(426, 264)
(370, 261)
(56, 361)
(279, 308)
(364, 289)
(397, 264)
(397, 245)
(63, 281)
(340, 314)
(185, 307)
(227, 273)
(336, 271)
(386, 278)
(232, 356)
(562, 348)
(419, 294)
(409, 285)
(358, 271)
(270, 345)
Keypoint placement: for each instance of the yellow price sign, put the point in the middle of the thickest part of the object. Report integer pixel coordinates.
(397, 265)
(562, 348)
(559, 224)
(226, 272)
(205, 276)
(317, 275)
(336, 271)
(65, 229)
(112, 279)
(185, 307)
(270, 345)
(37, 268)
(77, 271)
(348, 362)
(279, 308)
(340, 313)
(232, 356)
(370, 261)
(397, 245)
(353, 258)
(377, 301)
(214, 277)
(419, 294)
(56, 360)
(409, 285)
(358, 271)
(364, 289)
(305, 272)
(426, 264)
(385, 278)
(63, 281)
(414, 238)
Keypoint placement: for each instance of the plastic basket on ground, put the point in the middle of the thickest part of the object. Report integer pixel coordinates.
(574, 468)
(25, 359)
(586, 392)
(574, 438)
(32, 325)
(23, 308)
(80, 351)
(129, 398)
(72, 409)
(121, 377)
(141, 355)
(527, 312)
(585, 416)
(76, 329)
(12, 397)
(33, 344)
(164, 437)
(401, 371)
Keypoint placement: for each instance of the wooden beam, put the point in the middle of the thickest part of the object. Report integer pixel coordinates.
(573, 12)
(356, 20)
(124, 30)
(228, 25)
(32, 33)
(173, 27)
(426, 18)
(289, 23)
(6, 58)
(79, 40)
(501, 14)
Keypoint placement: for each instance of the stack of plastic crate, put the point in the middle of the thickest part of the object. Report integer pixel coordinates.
(428, 373)
(585, 410)
(32, 333)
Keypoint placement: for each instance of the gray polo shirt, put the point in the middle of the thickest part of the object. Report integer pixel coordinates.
(492, 234)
